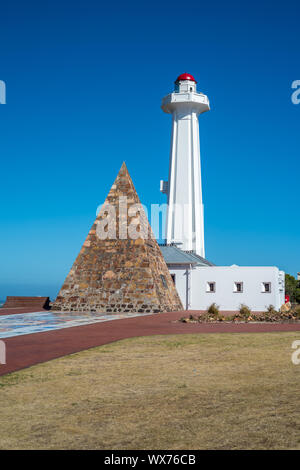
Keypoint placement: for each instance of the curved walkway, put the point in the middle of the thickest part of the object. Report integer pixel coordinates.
(27, 350)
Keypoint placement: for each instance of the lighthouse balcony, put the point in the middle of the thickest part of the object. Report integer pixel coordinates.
(198, 101)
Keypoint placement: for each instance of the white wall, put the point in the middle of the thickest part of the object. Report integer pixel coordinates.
(224, 295)
(183, 278)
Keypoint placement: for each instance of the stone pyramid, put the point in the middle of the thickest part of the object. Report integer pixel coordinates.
(120, 267)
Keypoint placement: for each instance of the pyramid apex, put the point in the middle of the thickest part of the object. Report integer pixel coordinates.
(123, 172)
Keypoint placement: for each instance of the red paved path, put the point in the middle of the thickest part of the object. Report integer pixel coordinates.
(26, 350)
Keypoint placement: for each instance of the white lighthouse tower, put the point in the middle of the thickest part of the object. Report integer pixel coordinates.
(185, 224)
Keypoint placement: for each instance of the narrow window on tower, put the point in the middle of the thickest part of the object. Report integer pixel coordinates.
(238, 287)
(210, 286)
(173, 276)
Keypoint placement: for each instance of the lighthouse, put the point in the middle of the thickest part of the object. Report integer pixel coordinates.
(185, 221)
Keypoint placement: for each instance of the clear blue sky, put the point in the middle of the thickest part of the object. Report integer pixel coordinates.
(84, 84)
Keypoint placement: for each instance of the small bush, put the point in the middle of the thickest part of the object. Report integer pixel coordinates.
(271, 309)
(213, 309)
(245, 311)
(296, 312)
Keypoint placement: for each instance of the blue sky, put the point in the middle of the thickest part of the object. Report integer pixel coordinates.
(84, 85)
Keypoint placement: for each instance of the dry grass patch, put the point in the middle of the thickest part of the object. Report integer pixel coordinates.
(213, 391)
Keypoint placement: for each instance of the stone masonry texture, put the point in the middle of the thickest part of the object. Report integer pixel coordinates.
(115, 272)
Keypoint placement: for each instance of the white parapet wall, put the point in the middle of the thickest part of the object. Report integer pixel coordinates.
(230, 286)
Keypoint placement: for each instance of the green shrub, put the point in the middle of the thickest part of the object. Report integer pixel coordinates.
(245, 311)
(271, 310)
(296, 312)
(213, 309)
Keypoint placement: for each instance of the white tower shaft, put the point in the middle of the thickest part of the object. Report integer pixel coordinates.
(185, 220)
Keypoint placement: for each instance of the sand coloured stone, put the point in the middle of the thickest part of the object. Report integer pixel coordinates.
(120, 273)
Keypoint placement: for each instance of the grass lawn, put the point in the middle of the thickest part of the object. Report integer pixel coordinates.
(213, 391)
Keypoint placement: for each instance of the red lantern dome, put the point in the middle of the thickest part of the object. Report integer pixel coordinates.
(185, 76)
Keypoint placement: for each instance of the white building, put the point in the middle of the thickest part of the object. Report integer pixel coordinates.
(199, 282)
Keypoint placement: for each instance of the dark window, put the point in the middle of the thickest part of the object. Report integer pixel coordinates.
(267, 287)
(210, 287)
(173, 278)
(238, 286)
